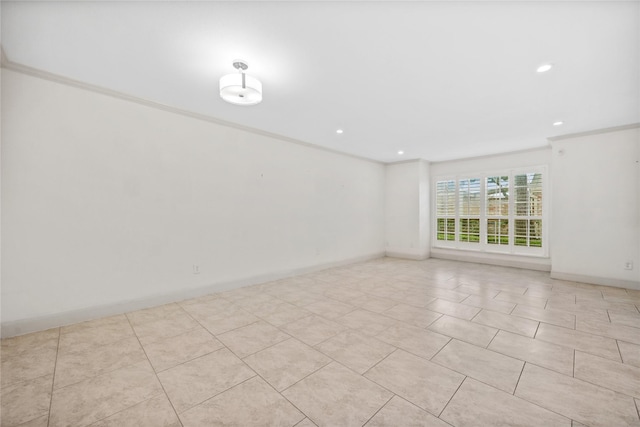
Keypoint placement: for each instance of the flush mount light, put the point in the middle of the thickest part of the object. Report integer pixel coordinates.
(400, 153)
(240, 89)
(544, 68)
(339, 131)
(558, 123)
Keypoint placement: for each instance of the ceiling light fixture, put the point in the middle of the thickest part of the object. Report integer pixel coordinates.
(558, 123)
(544, 68)
(339, 131)
(400, 153)
(240, 89)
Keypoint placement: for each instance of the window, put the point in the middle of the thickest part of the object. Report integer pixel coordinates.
(469, 210)
(494, 212)
(446, 210)
(528, 210)
(497, 210)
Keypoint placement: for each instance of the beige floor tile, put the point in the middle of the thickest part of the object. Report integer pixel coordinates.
(336, 396)
(551, 316)
(227, 320)
(630, 353)
(99, 397)
(313, 329)
(418, 341)
(156, 411)
(547, 355)
(517, 325)
(492, 368)
(479, 405)
(343, 294)
(461, 311)
(329, 308)
(607, 373)
(25, 401)
(627, 319)
(464, 330)
(38, 422)
(354, 350)
(100, 322)
(371, 303)
(445, 294)
(482, 292)
(251, 403)
(521, 299)
(257, 301)
(578, 340)
(252, 338)
(489, 304)
(201, 309)
(173, 351)
(412, 315)
(194, 382)
(286, 313)
(85, 335)
(367, 322)
(576, 399)
(612, 330)
(29, 343)
(399, 412)
(75, 366)
(286, 363)
(153, 314)
(306, 423)
(423, 383)
(175, 323)
(29, 364)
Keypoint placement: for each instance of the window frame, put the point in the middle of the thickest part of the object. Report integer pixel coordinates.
(483, 246)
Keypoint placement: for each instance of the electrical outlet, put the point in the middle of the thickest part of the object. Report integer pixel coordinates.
(628, 265)
(196, 269)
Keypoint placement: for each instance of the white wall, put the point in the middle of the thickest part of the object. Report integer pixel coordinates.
(477, 165)
(109, 203)
(407, 210)
(596, 207)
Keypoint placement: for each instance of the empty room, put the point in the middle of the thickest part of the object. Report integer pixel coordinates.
(320, 213)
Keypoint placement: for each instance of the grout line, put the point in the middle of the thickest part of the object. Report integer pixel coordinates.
(379, 409)
(442, 348)
(382, 360)
(451, 398)
(154, 372)
(537, 328)
(519, 376)
(53, 378)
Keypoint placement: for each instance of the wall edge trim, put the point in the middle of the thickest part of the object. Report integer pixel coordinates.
(596, 280)
(24, 326)
(45, 75)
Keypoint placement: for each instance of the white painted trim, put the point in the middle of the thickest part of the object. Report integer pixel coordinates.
(485, 156)
(24, 326)
(594, 132)
(45, 75)
(594, 280)
(504, 260)
(404, 254)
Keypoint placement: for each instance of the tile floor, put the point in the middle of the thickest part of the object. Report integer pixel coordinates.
(381, 343)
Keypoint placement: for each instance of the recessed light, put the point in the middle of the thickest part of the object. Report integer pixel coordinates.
(544, 68)
(339, 131)
(558, 123)
(400, 153)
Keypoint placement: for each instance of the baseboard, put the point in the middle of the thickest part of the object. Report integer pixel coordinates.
(529, 263)
(25, 326)
(594, 280)
(416, 255)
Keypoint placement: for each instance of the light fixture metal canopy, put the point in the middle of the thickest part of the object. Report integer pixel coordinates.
(240, 89)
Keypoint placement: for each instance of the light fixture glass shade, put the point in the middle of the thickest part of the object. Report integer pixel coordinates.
(232, 90)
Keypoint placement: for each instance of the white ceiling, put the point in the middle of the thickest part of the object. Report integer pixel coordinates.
(438, 80)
